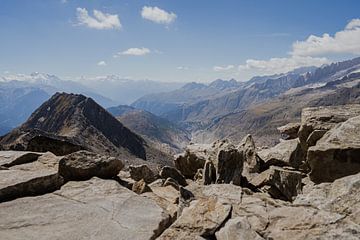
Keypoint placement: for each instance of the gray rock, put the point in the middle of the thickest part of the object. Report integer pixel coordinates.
(209, 173)
(286, 153)
(94, 209)
(230, 163)
(284, 184)
(201, 219)
(11, 158)
(170, 172)
(337, 153)
(237, 228)
(289, 131)
(171, 182)
(29, 179)
(247, 148)
(324, 118)
(140, 187)
(83, 165)
(191, 160)
(139, 172)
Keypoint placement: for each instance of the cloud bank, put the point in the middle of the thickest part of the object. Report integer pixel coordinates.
(157, 15)
(99, 21)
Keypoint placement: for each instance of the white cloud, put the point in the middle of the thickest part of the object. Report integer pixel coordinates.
(100, 20)
(134, 52)
(182, 68)
(101, 63)
(346, 41)
(281, 65)
(223, 68)
(157, 15)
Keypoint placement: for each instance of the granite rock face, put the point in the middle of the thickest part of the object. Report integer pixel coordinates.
(94, 209)
(337, 153)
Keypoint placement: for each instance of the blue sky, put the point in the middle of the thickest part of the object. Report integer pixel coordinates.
(183, 40)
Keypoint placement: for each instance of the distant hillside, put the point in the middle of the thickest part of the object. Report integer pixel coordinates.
(163, 133)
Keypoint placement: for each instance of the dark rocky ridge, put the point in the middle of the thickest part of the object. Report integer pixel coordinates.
(83, 121)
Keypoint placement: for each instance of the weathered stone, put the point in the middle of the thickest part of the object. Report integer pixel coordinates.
(11, 158)
(237, 228)
(289, 131)
(230, 165)
(83, 165)
(170, 172)
(314, 137)
(139, 172)
(171, 182)
(202, 218)
(93, 209)
(337, 153)
(287, 182)
(209, 173)
(192, 159)
(247, 148)
(286, 153)
(29, 179)
(140, 187)
(324, 118)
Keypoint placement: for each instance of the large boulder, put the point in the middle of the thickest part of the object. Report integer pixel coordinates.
(83, 165)
(279, 183)
(289, 131)
(337, 153)
(192, 159)
(138, 172)
(170, 172)
(34, 178)
(323, 119)
(286, 153)
(93, 209)
(201, 219)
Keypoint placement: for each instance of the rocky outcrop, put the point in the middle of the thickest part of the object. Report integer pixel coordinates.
(286, 153)
(201, 219)
(84, 165)
(323, 119)
(170, 172)
(289, 131)
(279, 183)
(337, 153)
(192, 159)
(138, 172)
(96, 209)
(28, 179)
(230, 163)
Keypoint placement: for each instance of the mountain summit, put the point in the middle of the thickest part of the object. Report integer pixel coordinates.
(83, 121)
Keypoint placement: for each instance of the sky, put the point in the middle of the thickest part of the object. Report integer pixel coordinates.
(175, 40)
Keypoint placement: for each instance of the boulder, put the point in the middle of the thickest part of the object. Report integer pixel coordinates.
(237, 228)
(140, 187)
(139, 172)
(11, 158)
(252, 162)
(201, 219)
(280, 183)
(289, 131)
(192, 159)
(337, 153)
(93, 209)
(83, 165)
(170, 172)
(171, 182)
(30, 179)
(286, 153)
(323, 118)
(209, 173)
(230, 163)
